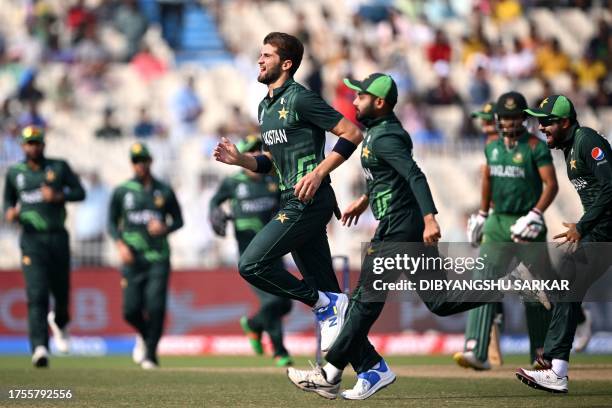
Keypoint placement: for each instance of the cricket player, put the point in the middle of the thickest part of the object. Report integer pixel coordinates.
(143, 212)
(518, 185)
(254, 200)
(587, 156)
(401, 200)
(35, 194)
(293, 122)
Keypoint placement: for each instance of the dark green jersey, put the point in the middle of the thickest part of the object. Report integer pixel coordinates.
(588, 166)
(133, 206)
(293, 123)
(516, 185)
(23, 187)
(395, 182)
(253, 201)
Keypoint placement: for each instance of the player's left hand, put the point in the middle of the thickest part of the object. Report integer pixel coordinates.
(156, 228)
(308, 185)
(527, 227)
(571, 235)
(431, 234)
(49, 195)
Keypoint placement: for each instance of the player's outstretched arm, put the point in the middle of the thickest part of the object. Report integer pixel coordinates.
(226, 152)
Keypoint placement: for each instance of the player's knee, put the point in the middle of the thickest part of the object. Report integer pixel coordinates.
(132, 315)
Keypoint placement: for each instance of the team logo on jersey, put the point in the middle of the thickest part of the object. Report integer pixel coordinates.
(282, 114)
(50, 175)
(242, 190)
(281, 217)
(573, 164)
(495, 154)
(517, 158)
(365, 152)
(510, 104)
(272, 187)
(597, 154)
(128, 201)
(26, 260)
(20, 181)
(158, 199)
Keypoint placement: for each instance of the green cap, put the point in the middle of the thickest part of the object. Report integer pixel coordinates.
(486, 113)
(381, 85)
(32, 134)
(139, 151)
(511, 104)
(558, 106)
(249, 144)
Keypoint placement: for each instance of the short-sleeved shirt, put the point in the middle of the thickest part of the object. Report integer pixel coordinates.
(293, 123)
(23, 187)
(587, 160)
(133, 206)
(516, 185)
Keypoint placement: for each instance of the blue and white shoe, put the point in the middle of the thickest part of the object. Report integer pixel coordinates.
(331, 318)
(370, 382)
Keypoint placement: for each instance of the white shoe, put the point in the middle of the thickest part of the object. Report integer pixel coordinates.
(583, 332)
(314, 381)
(148, 365)
(545, 380)
(60, 336)
(331, 318)
(139, 351)
(521, 274)
(467, 359)
(40, 357)
(369, 382)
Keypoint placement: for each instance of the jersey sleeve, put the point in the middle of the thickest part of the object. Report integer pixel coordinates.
(223, 193)
(397, 152)
(311, 108)
(173, 209)
(541, 155)
(595, 152)
(114, 214)
(73, 189)
(10, 193)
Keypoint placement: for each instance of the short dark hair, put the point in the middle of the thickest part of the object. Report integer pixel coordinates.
(288, 48)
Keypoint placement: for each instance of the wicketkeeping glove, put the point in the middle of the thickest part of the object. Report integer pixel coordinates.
(218, 221)
(474, 227)
(528, 227)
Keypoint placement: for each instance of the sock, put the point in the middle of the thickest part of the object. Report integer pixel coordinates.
(322, 301)
(332, 373)
(560, 367)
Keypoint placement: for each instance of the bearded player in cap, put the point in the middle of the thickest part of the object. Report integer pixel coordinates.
(518, 185)
(143, 212)
(254, 200)
(35, 194)
(293, 122)
(587, 156)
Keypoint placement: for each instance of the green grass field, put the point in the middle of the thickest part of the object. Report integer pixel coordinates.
(253, 381)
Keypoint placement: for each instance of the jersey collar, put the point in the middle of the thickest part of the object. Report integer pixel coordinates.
(569, 142)
(276, 92)
(370, 123)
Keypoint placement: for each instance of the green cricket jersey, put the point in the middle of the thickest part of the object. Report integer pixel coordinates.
(133, 206)
(23, 187)
(589, 170)
(293, 123)
(516, 185)
(253, 201)
(394, 180)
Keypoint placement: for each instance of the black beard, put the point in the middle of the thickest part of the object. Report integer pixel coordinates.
(270, 76)
(366, 114)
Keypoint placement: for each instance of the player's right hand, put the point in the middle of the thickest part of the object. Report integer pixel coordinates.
(354, 211)
(125, 253)
(11, 214)
(474, 227)
(218, 221)
(226, 152)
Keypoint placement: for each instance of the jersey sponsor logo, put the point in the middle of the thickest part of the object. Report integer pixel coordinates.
(517, 158)
(500, 170)
(50, 176)
(274, 136)
(31, 197)
(258, 204)
(261, 115)
(597, 154)
(579, 183)
(242, 190)
(142, 217)
(158, 199)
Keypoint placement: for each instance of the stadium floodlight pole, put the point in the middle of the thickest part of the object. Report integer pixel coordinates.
(346, 288)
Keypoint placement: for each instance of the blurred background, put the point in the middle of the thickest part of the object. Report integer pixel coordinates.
(100, 74)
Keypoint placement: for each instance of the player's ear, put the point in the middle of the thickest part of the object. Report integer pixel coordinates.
(286, 65)
(566, 123)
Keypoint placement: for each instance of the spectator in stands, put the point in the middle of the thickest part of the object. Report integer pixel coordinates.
(576, 93)
(108, 130)
(145, 128)
(471, 45)
(91, 219)
(130, 21)
(589, 70)
(520, 62)
(551, 60)
(428, 134)
(171, 16)
(599, 43)
(31, 117)
(443, 93)
(506, 11)
(480, 89)
(602, 98)
(440, 49)
(63, 93)
(27, 89)
(186, 108)
(92, 60)
(10, 144)
(148, 66)
(79, 20)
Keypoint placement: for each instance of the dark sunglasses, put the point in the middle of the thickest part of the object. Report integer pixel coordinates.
(548, 121)
(137, 160)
